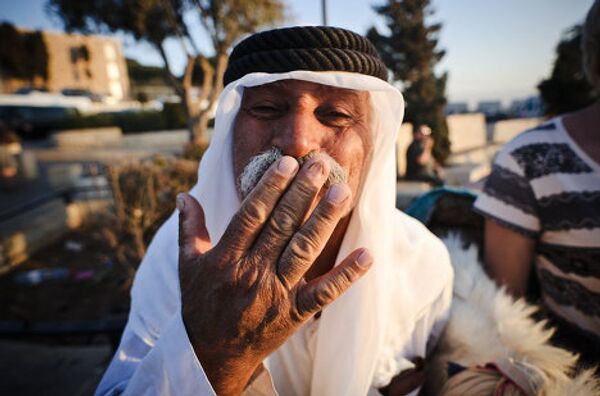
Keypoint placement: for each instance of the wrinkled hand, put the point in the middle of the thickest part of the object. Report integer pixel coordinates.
(242, 298)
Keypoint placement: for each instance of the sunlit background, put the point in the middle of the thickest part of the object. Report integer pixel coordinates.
(496, 50)
(97, 137)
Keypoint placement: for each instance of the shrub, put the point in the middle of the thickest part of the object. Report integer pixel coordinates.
(144, 194)
(174, 115)
(171, 117)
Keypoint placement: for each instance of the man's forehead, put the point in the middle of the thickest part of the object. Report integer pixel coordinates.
(290, 86)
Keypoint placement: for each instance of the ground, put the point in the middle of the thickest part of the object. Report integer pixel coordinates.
(58, 336)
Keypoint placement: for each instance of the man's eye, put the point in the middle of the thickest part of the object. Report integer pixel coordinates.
(336, 118)
(338, 114)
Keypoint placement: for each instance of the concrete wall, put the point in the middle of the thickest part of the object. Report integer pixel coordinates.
(88, 138)
(479, 155)
(466, 131)
(112, 137)
(461, 174)
(402, 143)
(505, 130)
(25, 234)
(157, 140)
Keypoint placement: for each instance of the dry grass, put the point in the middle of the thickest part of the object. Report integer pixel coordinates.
(144, 195)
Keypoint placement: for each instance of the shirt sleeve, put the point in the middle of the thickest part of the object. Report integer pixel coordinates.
(169, 367)
(428, 329)
(508, 198)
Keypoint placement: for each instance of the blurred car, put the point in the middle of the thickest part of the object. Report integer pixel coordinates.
(29, 91)
(82, 92)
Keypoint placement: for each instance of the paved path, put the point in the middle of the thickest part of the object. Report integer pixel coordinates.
(37, 369)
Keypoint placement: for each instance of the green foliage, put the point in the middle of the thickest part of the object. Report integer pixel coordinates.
(174, 115)
(140, 74)
(143, 19)
(171, 117)
(154, 21)
(567, 88)
(23, 55)
(410, 51)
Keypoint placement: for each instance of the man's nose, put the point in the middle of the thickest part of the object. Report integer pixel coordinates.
(300, 134)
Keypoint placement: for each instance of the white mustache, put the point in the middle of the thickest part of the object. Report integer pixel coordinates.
(259, 164)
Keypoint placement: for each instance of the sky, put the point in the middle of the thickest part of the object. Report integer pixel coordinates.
(495, 49)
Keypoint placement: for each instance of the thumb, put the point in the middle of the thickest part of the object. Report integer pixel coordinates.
(193, 236)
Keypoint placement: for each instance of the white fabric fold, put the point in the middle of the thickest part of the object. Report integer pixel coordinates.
(171, 367)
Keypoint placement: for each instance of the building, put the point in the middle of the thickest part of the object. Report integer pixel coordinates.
(531, 106)
(457, 108)
(490, 108)
(77, 64)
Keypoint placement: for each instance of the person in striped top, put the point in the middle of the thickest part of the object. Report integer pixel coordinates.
(542, 206)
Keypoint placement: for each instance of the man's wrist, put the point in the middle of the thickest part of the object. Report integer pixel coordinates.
(228, 375)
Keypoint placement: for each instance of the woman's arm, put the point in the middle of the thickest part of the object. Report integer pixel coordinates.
(508, 257)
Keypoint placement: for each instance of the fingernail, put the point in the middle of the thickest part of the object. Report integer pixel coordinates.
(287, 166)
(180, 202)
(364, 259)
(337, 194)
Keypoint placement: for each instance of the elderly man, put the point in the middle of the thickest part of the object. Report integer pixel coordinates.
(294, 204)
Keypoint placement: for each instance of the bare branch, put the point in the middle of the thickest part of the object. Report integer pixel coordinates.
(209, 72)
(191, 39)
(218, 84)
(172, 79)
(170, 14)
(192, 108)
(203, 16)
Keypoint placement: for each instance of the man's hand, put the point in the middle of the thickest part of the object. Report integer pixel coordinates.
(242, 298)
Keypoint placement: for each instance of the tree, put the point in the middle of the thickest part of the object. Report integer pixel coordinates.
(567, 88)
(410, 51)
(154, 21)
(141, 74)
(23, 55)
